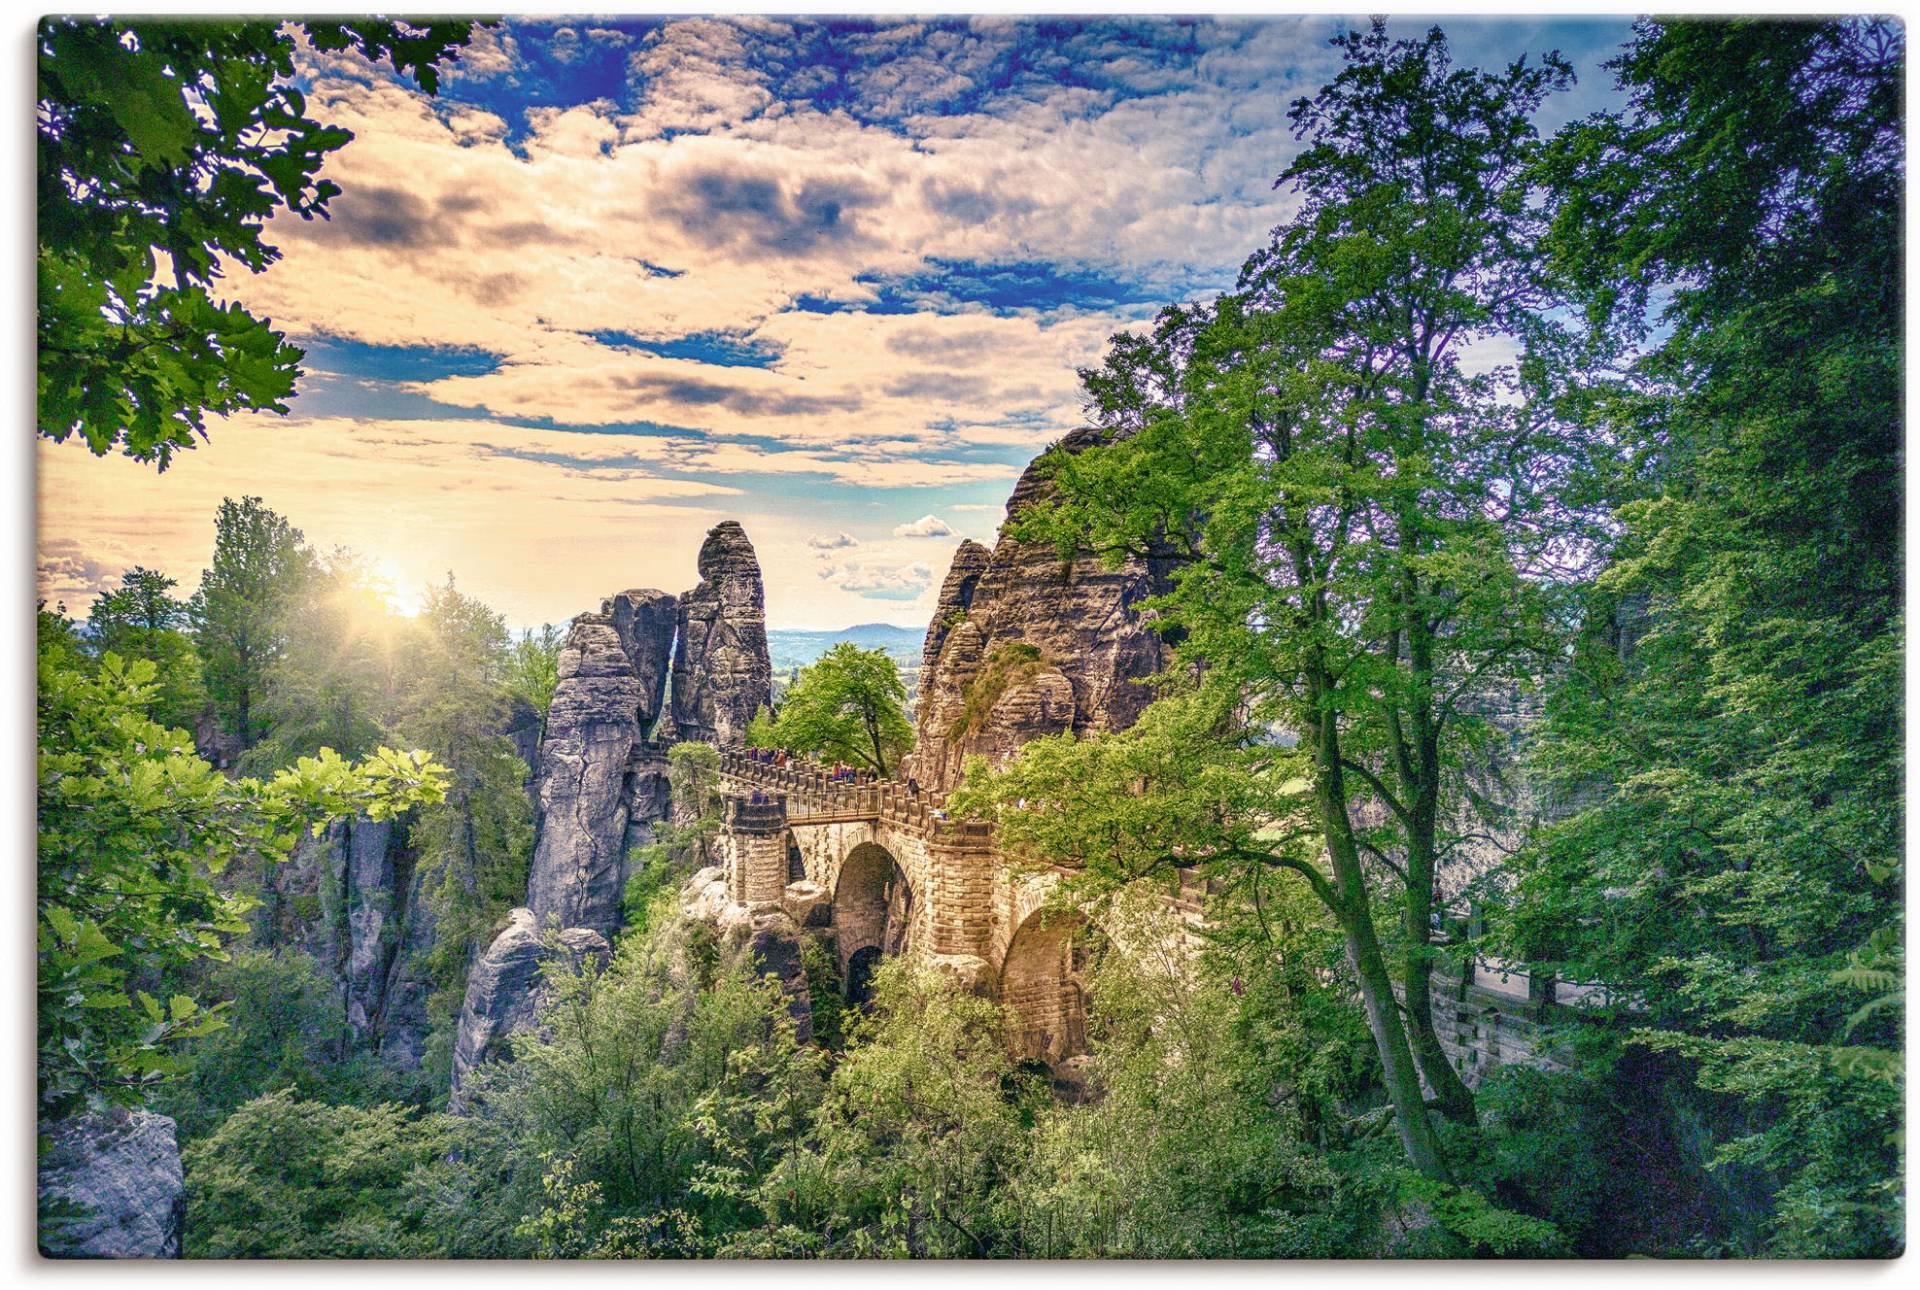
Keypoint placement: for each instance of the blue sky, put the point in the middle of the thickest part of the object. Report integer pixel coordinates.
(625, 278)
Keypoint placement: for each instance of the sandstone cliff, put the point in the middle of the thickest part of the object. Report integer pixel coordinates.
(582, 788)
(645, 670)
(503, 993)
(721, 672)
(1024, 644)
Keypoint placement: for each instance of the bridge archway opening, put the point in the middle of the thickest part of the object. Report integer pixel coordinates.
(1044, 983)
(873, 908)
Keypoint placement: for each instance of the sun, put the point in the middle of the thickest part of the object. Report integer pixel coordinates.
(404, 594)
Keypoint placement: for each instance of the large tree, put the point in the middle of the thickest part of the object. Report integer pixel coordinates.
(164, 148)
(473, 846)
(1729, 726)
(1367, 534)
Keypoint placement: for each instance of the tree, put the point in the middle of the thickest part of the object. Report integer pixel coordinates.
(133, 829)
(164, 148)
(917, 1139)
(657, 1091)
(334, 680)
(473, 845)
(849, 705)
(1368, 537)
(533, 667)
(142, 620)
(1724, 737)
(260, 564)
(284, 1178)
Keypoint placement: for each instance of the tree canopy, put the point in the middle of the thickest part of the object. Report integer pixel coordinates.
(165, 146)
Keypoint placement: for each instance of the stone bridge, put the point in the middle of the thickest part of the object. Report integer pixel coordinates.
(890, 874)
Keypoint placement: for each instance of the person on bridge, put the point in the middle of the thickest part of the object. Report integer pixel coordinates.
(913, 787)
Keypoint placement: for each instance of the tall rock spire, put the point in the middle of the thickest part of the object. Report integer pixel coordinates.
(721, 672)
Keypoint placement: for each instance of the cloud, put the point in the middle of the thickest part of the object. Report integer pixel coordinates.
(880, 581)
(831, 541)
(925, 526)
(70, 573)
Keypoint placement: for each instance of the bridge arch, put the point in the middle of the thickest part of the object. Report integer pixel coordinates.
(873, 913)
(1044, 983)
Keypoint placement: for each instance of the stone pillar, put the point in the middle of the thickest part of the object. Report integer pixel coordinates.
(756, 848)
(960, 893)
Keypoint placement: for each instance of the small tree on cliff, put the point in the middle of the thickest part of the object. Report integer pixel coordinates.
(849, 706)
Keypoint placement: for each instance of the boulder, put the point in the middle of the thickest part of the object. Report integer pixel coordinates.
(721, 671)
(503, 992)
(122, 1172)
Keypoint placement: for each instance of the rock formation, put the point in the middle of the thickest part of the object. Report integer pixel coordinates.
(503, 992)
(646, 621)
(122, 1171)
(593, 729)
(721, 671)
(1024, 644)
(600, 776)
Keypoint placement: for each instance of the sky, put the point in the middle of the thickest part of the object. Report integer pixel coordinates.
(625, 278)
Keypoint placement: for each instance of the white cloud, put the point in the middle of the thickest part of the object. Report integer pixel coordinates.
(925, 526)
(878, 580)
(831, 541)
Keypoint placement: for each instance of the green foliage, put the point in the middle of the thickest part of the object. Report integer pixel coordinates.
(334, 680)
(133, 827)
(292, 1179)
(1721, 738)
(1191, 1143)
(164, 146)
(849, 706)
(141, 620)
(282, 1032)
(1008, 666)
(646, 1089)
(919, 1134)
(533, 666)
(473, 847)
(260, 567)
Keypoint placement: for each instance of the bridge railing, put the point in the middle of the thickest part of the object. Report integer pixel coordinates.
(819, 793)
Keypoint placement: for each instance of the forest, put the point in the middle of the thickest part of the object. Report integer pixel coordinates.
(1532, 507)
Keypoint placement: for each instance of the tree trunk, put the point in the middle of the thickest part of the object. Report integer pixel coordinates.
(1350, 907)
(1450, 1091)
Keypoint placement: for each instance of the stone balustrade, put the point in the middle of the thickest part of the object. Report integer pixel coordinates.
(815, 795)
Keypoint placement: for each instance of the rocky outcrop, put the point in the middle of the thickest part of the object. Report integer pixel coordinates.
(1027, 644)
(766, 936)
(365, 851)
(721, 671)
(111, 1188)
(342, 898)
(646, 669)
(956, 598)
(404, 1019)
(503, 992)
(582, 789)
(646, 621)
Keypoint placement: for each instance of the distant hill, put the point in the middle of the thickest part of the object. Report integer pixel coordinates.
(789, 648)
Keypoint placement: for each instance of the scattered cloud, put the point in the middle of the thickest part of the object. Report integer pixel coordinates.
(831, 541)
(925, 526)
(876, 580)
